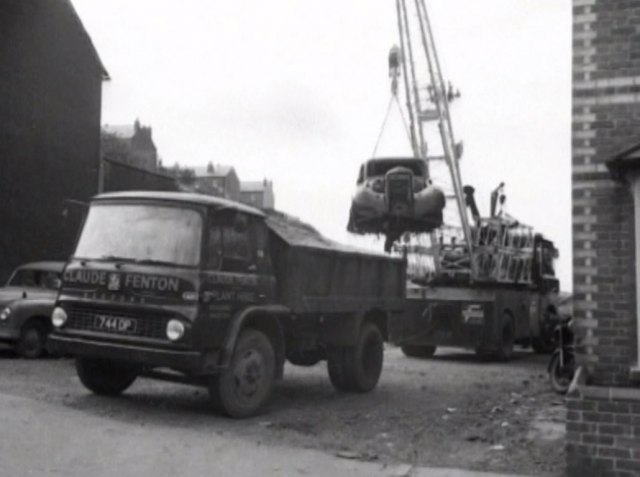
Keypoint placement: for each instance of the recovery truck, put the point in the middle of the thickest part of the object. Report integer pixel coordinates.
(200, 290)
(481, 283)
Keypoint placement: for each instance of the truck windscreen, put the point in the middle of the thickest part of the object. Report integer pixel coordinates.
(141, 233)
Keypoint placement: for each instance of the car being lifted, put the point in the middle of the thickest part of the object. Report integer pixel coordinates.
(394, 196)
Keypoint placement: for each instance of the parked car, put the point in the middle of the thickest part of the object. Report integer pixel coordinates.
(26, 303)
(393, 196)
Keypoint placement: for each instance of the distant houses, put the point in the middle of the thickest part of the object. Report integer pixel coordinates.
(258, 194)
(222, 181)
(130, 144)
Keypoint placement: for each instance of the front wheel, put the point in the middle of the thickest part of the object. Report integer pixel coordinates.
(246, 385)
(358, 368)
(108, 378)
(31, 344)
(560, 377)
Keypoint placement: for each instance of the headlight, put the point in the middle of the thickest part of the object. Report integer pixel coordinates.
(175, 330)
(58, 317)
(5, 313)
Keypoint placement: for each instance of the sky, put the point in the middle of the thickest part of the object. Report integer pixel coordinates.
(296, 91)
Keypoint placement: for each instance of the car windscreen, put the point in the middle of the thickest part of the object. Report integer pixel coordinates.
(141, 233)
(380, 168)
(32, 278)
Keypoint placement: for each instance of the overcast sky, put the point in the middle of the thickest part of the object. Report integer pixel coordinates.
(296, 90)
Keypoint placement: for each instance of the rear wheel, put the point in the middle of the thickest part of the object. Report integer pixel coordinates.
(31, 343)
(358, 368)
(246, 385)
(414, 351)
(105, 377)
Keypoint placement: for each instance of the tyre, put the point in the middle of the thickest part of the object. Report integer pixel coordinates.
(507, 339)
(304, 358)
(105, 377)
(560, 379)
(358, 368)
(418, 351)
(32, 341)
(246, 385)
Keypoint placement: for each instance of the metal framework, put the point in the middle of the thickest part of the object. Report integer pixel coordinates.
(427, 99)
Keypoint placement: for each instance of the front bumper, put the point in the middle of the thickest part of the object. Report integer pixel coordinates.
(191, 362)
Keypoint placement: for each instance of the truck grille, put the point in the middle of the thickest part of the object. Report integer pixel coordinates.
(399, 189)
(148, 325)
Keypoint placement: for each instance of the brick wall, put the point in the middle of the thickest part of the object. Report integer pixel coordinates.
(603, 434)
(606, 120)
(603, 420)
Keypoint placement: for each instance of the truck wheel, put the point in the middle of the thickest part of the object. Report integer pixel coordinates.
(246, 385)
(358, 368)
(31, 344)
(108, 378)
(304, 358)
(507, 339)
(414, 351)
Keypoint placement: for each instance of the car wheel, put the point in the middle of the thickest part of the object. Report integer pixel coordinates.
(246, 385)
(33, 337)
(105, 377)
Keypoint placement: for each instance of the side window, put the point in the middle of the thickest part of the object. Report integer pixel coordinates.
(231, 245)
(361, 175)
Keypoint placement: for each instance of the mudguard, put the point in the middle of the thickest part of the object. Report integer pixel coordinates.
(271, 314)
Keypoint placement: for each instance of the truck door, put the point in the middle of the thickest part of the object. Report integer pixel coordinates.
(231, 264)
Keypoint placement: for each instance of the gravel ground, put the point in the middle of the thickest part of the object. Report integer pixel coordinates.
(449, 411)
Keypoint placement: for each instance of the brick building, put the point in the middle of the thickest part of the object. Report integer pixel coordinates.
(130, 144)
(258, 194)
(603, 425)
(218, 180)
(50, 104)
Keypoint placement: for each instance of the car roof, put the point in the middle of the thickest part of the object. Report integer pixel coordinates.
(184, 197)
(46, 266)
(399, 159)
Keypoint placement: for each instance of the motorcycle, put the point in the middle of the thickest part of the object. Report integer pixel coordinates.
(562, 365)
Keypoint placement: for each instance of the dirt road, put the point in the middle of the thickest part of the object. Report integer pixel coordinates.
(450, 411)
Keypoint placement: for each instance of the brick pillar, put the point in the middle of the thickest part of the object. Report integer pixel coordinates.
(603, 422)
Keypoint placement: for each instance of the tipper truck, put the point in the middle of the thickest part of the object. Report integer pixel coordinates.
(206, 291)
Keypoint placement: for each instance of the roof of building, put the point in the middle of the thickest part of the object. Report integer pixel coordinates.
(90, 45)
(124, 131)
(219, 170)
(185, 197)
(254, 186)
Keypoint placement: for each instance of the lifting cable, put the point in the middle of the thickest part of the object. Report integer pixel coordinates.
(386, 118)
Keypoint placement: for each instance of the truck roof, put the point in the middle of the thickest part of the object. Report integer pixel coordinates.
(186, 197)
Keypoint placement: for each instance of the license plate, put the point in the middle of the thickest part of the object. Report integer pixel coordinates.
(114, 324)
